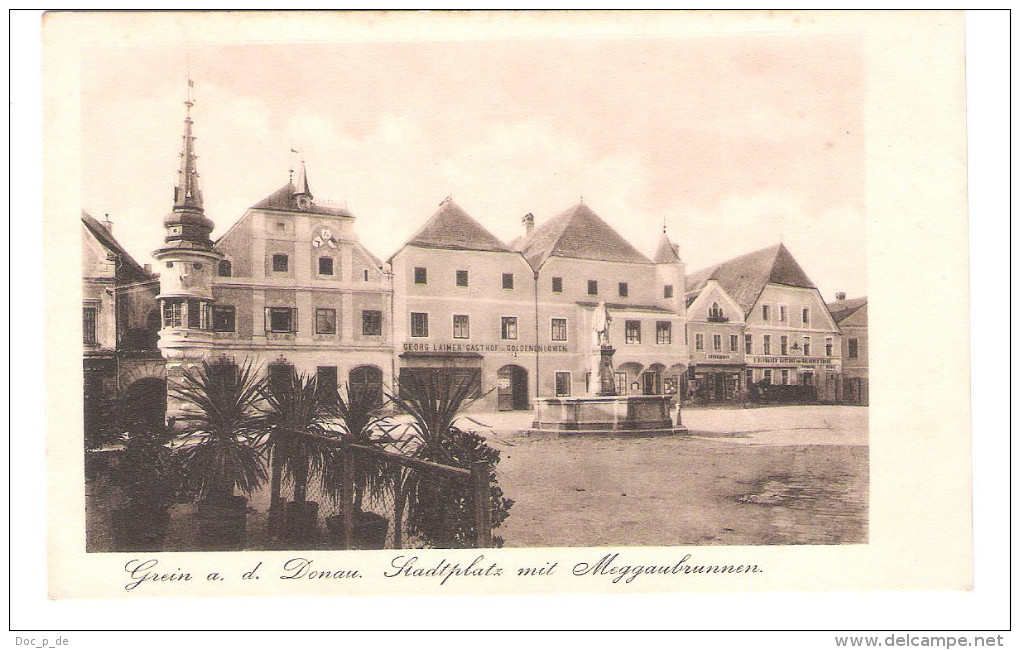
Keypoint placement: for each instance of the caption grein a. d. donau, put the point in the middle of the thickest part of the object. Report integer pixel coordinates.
(144, 574)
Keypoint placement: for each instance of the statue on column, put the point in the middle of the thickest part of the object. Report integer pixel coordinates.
(601, 380)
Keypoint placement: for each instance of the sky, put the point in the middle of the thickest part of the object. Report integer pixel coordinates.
(735, 143)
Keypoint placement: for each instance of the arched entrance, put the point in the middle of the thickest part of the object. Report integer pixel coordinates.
(367, 378)
(512, 389)
(146, 400)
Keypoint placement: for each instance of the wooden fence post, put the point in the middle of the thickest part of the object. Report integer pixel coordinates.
(347, 497)
(482, 504)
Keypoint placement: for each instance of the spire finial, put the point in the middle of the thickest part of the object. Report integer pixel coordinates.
(582, 198)
(187, 193)
(664, 225)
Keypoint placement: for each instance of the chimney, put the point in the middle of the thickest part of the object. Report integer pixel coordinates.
(529, 223)
(841, 296)
(108, 224)
(148, 268)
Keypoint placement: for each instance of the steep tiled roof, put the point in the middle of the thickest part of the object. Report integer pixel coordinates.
(841, 309)
(666, 253)
(283, 199)
(130, 270)
(453, 228)
(744, 277)
(578, 233)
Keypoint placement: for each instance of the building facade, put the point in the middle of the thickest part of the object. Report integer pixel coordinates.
(763, 304)
(852, 317)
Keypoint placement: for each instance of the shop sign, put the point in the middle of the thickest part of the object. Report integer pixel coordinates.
(823, 362)
(481, 347)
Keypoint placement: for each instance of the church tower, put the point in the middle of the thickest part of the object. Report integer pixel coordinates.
(186, 263)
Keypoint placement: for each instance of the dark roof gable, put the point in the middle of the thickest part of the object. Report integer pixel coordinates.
(283, 200)
(450, 227)
(744, 277)
(843, 309)
(129, 270)
(578, 233)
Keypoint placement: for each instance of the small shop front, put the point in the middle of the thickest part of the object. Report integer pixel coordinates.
(818, 378)
(715, 382)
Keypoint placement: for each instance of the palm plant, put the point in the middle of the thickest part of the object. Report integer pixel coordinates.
(438, 510)
(222, 426)
(297, 423)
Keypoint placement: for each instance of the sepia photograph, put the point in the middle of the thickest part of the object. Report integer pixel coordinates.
(445, 295)
(505, 302)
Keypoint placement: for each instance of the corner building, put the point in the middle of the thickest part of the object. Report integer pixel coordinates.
(579, 261)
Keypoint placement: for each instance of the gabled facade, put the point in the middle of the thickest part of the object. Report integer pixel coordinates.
(464, 306)
(579, 262)
(852, 317)
(787, 337)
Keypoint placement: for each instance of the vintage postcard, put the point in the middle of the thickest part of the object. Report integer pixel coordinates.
(505, 302)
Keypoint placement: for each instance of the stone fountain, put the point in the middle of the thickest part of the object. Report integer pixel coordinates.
(602, 410)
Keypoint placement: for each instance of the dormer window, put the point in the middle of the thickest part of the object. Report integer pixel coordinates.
(280, 263)
(225, 269)
(715, 314)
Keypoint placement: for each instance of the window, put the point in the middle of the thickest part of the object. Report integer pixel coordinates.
(508, 328)
(782, 346)
(281, 319)
(807, 346)
(559, 329)
(667, 291)
(325, 266)
(280, 263)
(366, 275)
(325, 379)
(663, 332)
(593, 287)
(782, 313)
(748, 377)
(562, 384)
(281, 226)
(805, 316)
(461, 326)
(766, 344)
(632, 331)
(508, 280)
(766, 375)
(223, 318)
(371, 322)
(699, 341)
(419, 324)
(462, 278)
(280, 374)
(828, 347)
(624, 290)
(734, 342)
(784, 377)
(766, 313)
(621, 382)
(194, 315)
(88, 325)
(171, 314)
(715, 313)
(851, 348)
(747, 343)
(557, 285)
(225, 269)
(325, 321)
(421, 275)
(717, 342)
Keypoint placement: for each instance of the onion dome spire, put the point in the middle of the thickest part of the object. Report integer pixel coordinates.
(187, 226)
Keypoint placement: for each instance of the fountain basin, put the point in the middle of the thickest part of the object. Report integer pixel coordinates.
(629, 414)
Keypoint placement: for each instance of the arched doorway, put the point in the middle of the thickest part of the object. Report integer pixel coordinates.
(512, 389)
(146, 400)
(367, 378)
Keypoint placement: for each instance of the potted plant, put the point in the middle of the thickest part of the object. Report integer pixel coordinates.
(297, 425)
(357, 411)
(149, 477)
(220, 451)
(439, 511)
